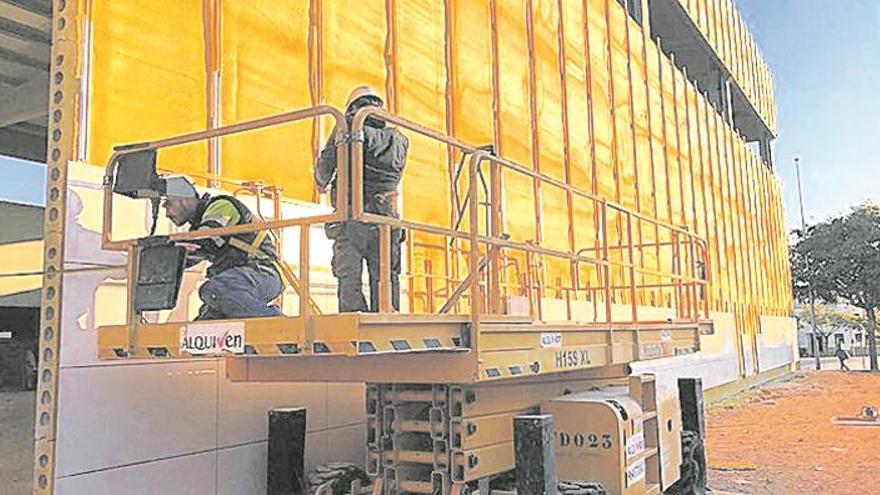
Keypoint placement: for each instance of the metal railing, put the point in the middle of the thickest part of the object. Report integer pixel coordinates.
(612, 254)
(688, 259)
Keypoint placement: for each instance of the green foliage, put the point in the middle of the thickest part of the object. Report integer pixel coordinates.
(841, 258)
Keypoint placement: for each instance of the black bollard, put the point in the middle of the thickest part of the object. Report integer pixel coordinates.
(693, 410)
(286, 464)
(535, 456)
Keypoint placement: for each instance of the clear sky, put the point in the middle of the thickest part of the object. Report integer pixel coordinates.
(825, 57)
(22, 181)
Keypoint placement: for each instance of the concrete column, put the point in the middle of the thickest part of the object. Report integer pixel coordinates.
(766, 145)
(726, 98)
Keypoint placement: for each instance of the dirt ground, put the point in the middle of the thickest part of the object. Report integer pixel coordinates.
(16, 442)
(780, 439)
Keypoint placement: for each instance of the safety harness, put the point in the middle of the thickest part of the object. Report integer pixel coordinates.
(253, 250)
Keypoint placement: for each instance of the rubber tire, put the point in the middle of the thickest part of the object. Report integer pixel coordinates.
(692, 473)
(340, 474)
(580, 488)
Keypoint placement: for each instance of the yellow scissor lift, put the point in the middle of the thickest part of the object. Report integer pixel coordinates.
(444, 388)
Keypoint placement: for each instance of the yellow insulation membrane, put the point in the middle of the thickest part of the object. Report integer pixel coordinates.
(148, 78)
(264, 70)
(22, 257)
(421, 79)
(593, 104)
(601, 95)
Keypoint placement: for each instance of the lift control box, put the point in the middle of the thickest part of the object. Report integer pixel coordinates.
(160, 271)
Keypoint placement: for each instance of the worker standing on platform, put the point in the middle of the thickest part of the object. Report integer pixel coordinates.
(242, 279)
(354, 242)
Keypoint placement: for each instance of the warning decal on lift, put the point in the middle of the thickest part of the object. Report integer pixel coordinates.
(635, 445)
(201, 339)
(551, 340)
(635, 472)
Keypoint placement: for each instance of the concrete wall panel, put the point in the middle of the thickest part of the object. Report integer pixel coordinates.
(119, 415)
(243, 408)
(190, 475)
(242, 469)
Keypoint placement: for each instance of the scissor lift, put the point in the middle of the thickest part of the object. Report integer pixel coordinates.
(443, 389)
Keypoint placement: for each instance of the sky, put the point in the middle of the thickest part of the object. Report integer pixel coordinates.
(23, 181)
(825, 57)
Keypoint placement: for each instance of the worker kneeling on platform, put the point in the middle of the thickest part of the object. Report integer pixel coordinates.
(242, 279)
(354, 242)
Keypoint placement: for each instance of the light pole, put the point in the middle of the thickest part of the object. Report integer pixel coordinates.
(797, 169)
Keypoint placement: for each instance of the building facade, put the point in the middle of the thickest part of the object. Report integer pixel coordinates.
(663, 108)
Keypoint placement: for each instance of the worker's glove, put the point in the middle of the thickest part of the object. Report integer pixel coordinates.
(190, 247)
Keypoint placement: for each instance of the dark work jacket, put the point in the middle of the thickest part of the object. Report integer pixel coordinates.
(217, 250)
(385, 150)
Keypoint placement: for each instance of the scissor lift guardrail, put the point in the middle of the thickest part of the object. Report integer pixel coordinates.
(480, 342)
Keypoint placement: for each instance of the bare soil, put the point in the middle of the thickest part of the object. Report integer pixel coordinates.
(780, 438)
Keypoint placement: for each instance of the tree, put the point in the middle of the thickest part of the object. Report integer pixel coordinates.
(839, 260)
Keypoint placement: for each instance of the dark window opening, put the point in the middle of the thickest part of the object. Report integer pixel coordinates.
(634, 8)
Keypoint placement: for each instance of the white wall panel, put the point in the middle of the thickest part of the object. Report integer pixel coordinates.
(346, 404)
(347, 444)
(243, 408)
(187, 475)
(241, 470)
(118, 415)
(774, 356)
(714, 371)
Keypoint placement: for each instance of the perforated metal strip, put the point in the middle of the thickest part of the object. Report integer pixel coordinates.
(63, 104)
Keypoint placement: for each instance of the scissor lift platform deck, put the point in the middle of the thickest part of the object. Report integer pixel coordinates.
(368, 347)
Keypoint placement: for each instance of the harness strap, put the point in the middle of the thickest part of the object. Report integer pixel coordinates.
(253, 249)
(250, 249)
(258, 239)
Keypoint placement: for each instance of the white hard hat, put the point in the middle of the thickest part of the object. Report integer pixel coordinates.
(179, 187)
(363, 92)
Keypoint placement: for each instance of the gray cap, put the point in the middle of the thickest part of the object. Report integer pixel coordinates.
(179, 187)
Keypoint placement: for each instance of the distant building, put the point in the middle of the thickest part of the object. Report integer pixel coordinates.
(21, 260)
(842, 335)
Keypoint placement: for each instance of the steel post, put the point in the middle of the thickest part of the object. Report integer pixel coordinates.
(797, 168)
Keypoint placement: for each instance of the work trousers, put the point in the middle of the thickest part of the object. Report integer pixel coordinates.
(354, 243)
(240, 292)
